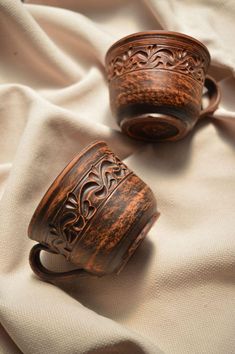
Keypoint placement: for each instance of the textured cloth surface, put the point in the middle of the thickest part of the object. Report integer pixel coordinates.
(177, 293)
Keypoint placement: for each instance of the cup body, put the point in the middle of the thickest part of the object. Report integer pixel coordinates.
(155, 83)
(96, 212)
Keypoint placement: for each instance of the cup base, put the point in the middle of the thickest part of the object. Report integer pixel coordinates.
(154, 127)
(131, 250)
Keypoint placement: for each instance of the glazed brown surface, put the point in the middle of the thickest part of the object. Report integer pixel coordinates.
(95, 214)
(156, 80)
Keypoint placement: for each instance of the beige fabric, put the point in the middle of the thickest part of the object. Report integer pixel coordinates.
(177, 293)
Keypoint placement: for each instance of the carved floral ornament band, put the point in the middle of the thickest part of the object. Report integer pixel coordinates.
(83, 202)
(158, 56)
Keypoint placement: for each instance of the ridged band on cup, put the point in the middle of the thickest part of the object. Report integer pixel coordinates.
(83, 201)
(162, 50)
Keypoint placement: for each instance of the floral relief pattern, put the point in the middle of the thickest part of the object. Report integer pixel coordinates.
(82, 203)
(154, 56)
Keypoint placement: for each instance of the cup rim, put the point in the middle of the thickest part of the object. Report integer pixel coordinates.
(58, 179)
(152, 33)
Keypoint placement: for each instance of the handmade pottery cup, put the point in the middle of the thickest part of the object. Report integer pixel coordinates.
(95, 213)
(156, 81)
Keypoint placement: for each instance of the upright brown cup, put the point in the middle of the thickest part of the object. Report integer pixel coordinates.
(95, 213)
(156, 81)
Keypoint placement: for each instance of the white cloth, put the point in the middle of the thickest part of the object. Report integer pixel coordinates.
(177, 294)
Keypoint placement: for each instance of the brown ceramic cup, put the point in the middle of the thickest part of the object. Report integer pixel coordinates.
(95, 213)
(156, 81)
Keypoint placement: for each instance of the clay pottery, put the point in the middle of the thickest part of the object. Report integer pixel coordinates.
(95, 213)
(156, 81)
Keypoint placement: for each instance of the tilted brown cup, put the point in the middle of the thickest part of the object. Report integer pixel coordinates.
(95, 213)
(156, 81)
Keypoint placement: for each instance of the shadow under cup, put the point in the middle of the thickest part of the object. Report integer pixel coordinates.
(95, 213)
(156, 81)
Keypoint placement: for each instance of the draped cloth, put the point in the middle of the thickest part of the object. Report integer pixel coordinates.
(177, 294)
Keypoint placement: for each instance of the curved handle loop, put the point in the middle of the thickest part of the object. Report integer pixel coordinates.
(214, 96)
(44, 273)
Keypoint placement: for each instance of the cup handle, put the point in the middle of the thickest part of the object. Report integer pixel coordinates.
(44, 273)
(214, 96)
